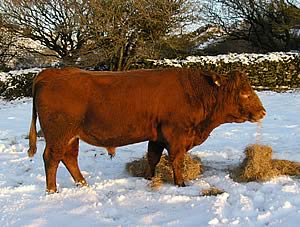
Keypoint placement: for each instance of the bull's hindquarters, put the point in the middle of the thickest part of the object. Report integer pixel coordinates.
(69, 156)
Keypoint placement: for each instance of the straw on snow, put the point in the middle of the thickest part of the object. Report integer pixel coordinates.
(258, 165)
(192, 168)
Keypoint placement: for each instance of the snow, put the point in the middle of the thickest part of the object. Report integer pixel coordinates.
(244, 59)
(114, 198)
(5, 75)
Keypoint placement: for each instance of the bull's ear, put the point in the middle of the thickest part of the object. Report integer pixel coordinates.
(215, 78)
(218, 79)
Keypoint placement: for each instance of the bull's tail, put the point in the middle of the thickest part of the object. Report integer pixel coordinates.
(32, 132)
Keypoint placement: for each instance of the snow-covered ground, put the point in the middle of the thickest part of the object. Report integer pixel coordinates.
(116, 199)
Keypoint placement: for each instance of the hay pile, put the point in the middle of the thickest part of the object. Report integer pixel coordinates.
(192, 168)
(259, 165)
(212, 191)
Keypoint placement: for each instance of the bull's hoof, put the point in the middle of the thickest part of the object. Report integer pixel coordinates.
(148, 177)
(51, 191)
(82, 183)
(182, 184)
(149, 174)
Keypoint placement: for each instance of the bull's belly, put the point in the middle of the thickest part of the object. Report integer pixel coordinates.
(111, 142)
(115, 138)
(117, 128)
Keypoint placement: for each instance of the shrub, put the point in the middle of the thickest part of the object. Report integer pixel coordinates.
(17, 86)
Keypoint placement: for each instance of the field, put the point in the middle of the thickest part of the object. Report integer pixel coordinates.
(114, 198)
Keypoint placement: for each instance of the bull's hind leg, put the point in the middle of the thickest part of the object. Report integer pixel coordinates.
(155, 150)
(70, 160)
(51, 162)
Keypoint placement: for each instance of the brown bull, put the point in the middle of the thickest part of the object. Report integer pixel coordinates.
(173, 109)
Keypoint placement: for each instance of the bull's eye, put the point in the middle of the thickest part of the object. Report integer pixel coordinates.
(245, 95)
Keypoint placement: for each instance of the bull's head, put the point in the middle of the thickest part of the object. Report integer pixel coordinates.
(241, 102)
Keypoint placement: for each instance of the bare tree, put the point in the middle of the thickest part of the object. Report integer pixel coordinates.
(7, 46)
(89, 32)
(267, 24)
(54, 23)
(122, 28)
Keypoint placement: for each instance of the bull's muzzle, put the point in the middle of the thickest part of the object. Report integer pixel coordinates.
(258, 116)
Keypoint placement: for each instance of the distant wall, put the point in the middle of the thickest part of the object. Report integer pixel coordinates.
(274, 71)
(270, 71)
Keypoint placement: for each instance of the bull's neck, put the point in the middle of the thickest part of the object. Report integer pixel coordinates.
(204, 129)
(215, 116)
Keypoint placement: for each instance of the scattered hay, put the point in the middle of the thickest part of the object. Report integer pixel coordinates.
(192, 168)
(156, 182)
(287, 167)
(138, 168)
(259, 166)
(213, 191)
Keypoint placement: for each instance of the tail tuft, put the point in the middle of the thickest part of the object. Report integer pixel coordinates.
(31, 152)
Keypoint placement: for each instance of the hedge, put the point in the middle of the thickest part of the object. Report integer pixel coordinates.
(15, 85)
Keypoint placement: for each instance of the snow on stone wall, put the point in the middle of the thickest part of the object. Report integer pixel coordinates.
(266, 71)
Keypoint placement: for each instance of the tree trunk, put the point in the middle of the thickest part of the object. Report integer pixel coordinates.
(120, 60)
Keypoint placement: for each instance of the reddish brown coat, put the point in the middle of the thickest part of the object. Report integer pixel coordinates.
(173, 109)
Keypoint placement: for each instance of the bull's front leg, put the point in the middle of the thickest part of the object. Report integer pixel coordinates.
(176, 146)
(155, 150)
(176, 156)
